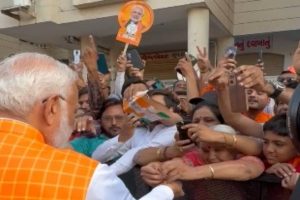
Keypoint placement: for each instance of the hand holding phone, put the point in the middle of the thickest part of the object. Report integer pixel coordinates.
(189, 58)
(183, 133)
(237, 93)
(230, 52)
(135, 59)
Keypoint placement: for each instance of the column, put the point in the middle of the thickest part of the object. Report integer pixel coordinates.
(198, 29)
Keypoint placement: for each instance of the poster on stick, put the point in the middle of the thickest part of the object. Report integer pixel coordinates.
(135, 18)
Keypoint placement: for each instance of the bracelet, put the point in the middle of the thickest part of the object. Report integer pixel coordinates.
(158, 153)
(212, 171)
(234, 140)
(165, 153)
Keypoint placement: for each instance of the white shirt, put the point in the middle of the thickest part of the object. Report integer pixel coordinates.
(105, 185)
(110, 150)
(142, 138)
(118, 84)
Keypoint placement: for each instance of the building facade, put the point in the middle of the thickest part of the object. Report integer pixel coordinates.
(55, 27)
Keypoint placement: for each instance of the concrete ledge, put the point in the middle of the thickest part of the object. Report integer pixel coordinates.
(91, 3)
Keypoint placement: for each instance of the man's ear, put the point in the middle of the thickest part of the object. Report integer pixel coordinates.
(51, 109)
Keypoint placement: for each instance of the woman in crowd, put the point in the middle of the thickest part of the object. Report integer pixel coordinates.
(220, 152)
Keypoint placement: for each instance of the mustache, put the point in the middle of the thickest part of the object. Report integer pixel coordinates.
(114, 127)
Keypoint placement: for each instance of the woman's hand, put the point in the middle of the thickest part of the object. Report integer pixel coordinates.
(281, 170)
(200, 133)
(177, 169)
(151, 174)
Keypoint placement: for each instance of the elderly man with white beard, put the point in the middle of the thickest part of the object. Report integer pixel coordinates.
(37, 105)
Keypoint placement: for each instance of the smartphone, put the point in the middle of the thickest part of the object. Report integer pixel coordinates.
(190, 57)
(230, 52)
(101, 64)
(237, 95)
(76, 56)
(260, 61)
(135, 58)
(183, 135)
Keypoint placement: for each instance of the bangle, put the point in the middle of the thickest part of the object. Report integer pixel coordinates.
(212, 171)
(234, 140)
(164, 154)
(158, 153)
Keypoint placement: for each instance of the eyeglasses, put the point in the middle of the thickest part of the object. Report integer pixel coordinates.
(285, 79)
(117, 118)
(59, 96)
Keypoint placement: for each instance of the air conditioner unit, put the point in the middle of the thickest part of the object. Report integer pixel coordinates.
(8, 4)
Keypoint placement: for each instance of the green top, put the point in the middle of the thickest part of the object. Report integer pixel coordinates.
(87, 145)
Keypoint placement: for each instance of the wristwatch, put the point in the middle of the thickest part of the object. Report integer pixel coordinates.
(278, 89)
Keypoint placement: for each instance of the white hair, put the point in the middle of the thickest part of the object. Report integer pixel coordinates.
(224, 129)
(27, 78)
(61, 136)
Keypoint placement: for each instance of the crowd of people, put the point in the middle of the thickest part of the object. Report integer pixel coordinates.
(63, 137)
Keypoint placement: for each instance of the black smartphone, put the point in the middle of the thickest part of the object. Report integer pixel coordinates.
(183, 133)
(190, 57)
(135, 58)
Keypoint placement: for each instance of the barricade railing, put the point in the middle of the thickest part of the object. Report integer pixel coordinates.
(265, 187)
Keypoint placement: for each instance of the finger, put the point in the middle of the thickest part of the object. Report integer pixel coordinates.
(150, 170)
(92, 42)
(284, 182)
(199, 50)
(182, 143)
(249, 81)
(176, 136)
(188, 147)
(172, 175)
(84, 123)
(280, 171)
(205, 52)
(288, 170)
(194, 136)
(291, 168)
(190, 125)
(157, 177)
(79, 129)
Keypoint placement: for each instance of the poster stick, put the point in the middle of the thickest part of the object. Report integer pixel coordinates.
(125, 49)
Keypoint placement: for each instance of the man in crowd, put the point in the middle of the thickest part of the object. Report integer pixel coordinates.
(157, 133)
(83, 100)
(112, 122)
(257, 101)
(34, 128)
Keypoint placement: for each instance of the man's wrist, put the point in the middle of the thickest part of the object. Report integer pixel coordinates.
(275, 89)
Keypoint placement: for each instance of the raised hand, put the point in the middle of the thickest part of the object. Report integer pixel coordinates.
(203, 60)
(90, 55)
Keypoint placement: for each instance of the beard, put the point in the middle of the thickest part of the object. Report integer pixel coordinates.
(62, 134)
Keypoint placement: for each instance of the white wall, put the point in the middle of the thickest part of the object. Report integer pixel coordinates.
(10, 45)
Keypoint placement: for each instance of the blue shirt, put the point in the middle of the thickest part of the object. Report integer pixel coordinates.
(86, 145)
